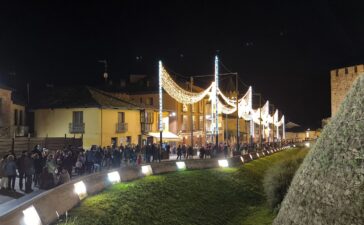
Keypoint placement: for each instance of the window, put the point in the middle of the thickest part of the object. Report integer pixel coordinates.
(77, 117)
(200, 125)
(194, 122)
(149, 101)
(184, 108)
(146, 117)
(21, 117)
(200, 106)
(184, 122)
(121, 117)
(15, 117)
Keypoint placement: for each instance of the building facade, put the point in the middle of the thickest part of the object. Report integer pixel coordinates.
(12, 115)
(99, 118)
(341, 81)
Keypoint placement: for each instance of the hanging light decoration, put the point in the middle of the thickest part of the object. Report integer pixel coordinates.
(227, 106)
(180, 94)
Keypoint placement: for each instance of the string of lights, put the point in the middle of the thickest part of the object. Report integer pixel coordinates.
(245, 110)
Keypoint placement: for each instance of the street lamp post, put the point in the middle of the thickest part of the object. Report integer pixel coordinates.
(237, 113)
(260, 118)
(272, 123)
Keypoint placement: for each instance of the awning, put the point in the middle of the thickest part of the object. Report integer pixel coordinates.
(166, 135)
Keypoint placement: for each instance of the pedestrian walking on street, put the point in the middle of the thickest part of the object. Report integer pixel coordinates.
(21, 168)
(179, 152)
(10, 172)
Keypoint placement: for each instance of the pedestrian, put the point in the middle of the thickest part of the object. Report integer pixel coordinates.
(46, 179)
(139, 159)
(190, 152)
(3, 178)
(179, 152)
(10, 172)
(21, 168)
(29, 172)
(64, 177)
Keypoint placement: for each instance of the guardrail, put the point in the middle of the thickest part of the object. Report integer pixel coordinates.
(45, 208)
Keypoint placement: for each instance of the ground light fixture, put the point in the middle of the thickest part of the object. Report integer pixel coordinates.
(242, 159)
(223, 163)
(80, 189)
(307, 144)
(181, 165)
(114, 177)
(31, 216)
(147, 170)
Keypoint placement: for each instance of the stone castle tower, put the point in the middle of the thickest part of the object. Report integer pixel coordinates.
(341, 81)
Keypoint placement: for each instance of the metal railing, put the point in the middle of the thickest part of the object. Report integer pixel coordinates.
(77, 128)
(121, 127)
(21, 131)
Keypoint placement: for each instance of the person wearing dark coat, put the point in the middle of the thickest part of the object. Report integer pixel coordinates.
(179, 152)
(116, 158)
(46, 180)
(10, 172)
(29, 172)
(21, 168)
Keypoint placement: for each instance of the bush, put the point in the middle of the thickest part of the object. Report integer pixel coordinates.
(278, 179)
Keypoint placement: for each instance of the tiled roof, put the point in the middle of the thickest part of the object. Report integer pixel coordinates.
(79, 97)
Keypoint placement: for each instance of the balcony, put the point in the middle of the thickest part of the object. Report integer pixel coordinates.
(21, 131)
(146, 128)
(121, 127)
(77, 128)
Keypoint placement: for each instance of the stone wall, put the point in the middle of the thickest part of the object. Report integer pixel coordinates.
(328, 188)
(341, 81)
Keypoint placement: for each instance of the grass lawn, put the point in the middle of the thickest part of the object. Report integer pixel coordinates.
(206, 197)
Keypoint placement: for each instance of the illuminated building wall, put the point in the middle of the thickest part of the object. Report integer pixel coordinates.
(55, 123)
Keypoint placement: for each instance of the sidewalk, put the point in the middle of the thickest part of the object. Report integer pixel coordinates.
(6, 196)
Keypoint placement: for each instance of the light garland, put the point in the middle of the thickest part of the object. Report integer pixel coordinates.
(245, 110)
(178, 93)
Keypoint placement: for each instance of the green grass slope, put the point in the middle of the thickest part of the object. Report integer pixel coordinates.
(214, 196)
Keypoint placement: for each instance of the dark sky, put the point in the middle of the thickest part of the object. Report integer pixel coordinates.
(284, 49)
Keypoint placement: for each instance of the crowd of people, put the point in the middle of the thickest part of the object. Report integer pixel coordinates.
(45, 169)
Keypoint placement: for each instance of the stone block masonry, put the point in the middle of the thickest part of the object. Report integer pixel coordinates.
(341, 82)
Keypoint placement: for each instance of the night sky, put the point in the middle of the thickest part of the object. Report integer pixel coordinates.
(285, 50)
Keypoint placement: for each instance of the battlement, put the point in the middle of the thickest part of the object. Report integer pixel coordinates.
(351, 70)
(341, 81)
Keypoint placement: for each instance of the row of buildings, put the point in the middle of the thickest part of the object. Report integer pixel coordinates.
(108, 115)
(129, 114)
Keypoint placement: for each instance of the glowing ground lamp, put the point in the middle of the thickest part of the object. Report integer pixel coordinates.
(31, 216)
(80, 189)
(114, 177)
(242, 159)
(147, 170)
(181, 165)
(223, 163)
(307, 144)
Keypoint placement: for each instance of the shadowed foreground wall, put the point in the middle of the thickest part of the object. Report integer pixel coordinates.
(328, 188)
